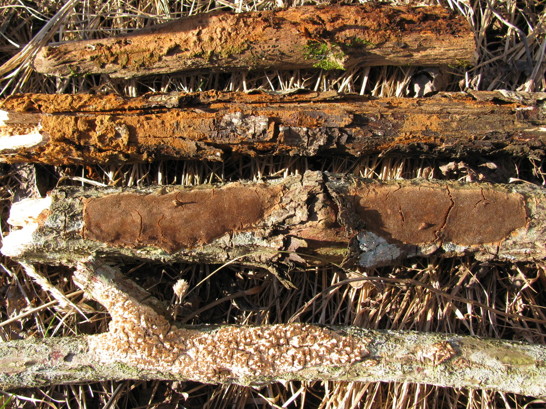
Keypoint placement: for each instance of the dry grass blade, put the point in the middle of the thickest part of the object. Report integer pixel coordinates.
(64, 301)
(21, 62)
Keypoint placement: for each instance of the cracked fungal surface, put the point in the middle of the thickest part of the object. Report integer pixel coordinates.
(420, 214)
(312, 218)
(177, 220)
(140, 337)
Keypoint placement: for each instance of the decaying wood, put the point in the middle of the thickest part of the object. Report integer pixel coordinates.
(68, 129)
(314, 218)
(142, 344)
(328, 37)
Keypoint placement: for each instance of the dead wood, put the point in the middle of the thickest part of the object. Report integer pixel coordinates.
(309, 219)
(328, 37)
(142, 344)
(75, 129)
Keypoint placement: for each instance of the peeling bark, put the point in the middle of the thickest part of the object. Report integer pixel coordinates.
(143, 344)
(328, 37)
(310, 219)
(75, 129)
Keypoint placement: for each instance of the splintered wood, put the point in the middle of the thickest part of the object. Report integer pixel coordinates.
(328, 37)
(309, 219)
(77, 129)
(142, 344)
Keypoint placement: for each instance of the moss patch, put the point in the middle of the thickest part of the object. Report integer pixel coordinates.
(328, 56)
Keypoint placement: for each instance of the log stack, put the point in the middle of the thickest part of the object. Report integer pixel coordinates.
(312, 219)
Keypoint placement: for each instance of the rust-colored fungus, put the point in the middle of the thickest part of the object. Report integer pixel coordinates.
(178, 220)
(424, 214)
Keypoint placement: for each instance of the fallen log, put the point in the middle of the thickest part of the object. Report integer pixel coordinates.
(328, 37)
(309, 219)
(76, 129)
(142, 344)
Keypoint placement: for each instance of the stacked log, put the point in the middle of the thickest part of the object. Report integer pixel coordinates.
(312, 219)
(142, 343)
(93, 129)
(328, 37)
(309, 219)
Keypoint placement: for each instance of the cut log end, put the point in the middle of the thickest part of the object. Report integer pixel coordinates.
(14, 143)
(18, 134)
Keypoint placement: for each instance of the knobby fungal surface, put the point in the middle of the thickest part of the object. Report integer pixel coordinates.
(177, 220)
(437, 353)
(140, 337)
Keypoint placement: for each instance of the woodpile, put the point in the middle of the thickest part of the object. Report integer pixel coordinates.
(314, 219)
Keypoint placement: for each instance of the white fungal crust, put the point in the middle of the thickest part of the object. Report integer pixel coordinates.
(18, 134)
(141, 338)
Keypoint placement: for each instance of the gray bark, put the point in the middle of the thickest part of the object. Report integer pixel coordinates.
(309, 219)
(328, 37)
(142, 344)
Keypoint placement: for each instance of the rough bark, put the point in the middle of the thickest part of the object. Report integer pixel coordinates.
(310, 219)
(68, 129)
(143, 344)
(328, 37)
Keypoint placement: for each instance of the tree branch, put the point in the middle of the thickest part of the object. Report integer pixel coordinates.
(328, 37)
(309, 219)
(75, 129)
(142, 344)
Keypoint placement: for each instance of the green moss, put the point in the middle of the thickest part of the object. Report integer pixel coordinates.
(74, 71)
(329, 65)
(233, 50)
(316, 49)
(328, 56)
(357, 42)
